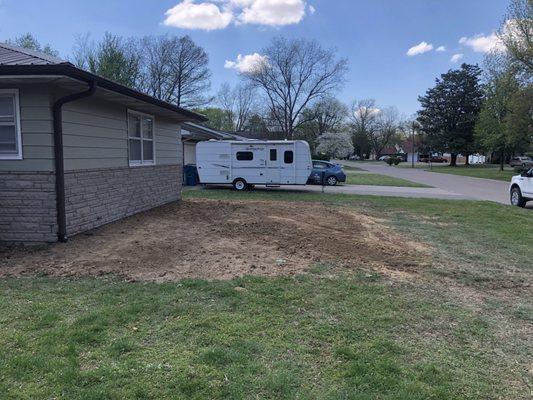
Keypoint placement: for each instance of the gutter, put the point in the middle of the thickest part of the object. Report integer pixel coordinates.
(59, 156)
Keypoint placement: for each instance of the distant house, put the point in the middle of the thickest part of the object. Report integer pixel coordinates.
(78, 151)
(410, 149)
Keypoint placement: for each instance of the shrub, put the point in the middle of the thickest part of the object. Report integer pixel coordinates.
(397, 160)
(389, 160)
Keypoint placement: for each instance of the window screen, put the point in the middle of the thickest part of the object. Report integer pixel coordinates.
(273, 154)
(245, 156)
(288, 157)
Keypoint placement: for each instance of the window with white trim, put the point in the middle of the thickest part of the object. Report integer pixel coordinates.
(10, 137)
(140, 139)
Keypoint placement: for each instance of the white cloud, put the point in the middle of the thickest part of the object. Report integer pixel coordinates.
(218, 14)
(456, 58)
(441, 49)
(190, 15)
(272, 12)
(483, 44)
(420, 48)
(246, 63)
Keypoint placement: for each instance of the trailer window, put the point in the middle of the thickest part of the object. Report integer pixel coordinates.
(288, 157)
(245, 156)
(273, 155)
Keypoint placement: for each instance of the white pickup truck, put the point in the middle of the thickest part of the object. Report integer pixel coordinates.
(521, 188)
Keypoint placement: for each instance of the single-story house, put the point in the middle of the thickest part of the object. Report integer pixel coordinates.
(78, 151)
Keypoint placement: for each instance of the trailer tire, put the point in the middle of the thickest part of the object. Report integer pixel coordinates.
(240, 185)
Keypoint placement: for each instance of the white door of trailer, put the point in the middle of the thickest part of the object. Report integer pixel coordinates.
(287, 160)
(273, 165)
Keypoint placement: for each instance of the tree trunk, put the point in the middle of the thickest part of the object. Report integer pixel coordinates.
(467, 156)
(502, 157)
(453, 160)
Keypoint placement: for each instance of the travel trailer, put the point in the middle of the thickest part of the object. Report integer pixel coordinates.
(253, 162)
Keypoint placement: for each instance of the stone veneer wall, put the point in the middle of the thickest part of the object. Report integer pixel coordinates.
(28, 207)
(97, 197)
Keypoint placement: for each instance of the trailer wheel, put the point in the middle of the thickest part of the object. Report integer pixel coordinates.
(240, 184)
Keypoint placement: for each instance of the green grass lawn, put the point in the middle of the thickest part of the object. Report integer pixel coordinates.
(482, 171)
(459, 331)
(379, 180)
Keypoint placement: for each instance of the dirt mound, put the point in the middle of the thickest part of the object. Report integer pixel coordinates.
(221, 240)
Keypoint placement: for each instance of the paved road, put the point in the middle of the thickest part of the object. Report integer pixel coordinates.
(473, 188)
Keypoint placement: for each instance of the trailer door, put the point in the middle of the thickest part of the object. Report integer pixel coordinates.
(273, 165)
(287, 160)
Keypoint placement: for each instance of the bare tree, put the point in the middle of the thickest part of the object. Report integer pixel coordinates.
(292, 75)
(175, 70)
(379, 126)
(364, 117)
(238, 105)
(516, 34)
(387, 126)
(329, 114)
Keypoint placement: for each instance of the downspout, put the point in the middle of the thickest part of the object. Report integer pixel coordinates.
(59, 158)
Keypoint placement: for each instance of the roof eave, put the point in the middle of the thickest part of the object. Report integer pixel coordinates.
(76, 73)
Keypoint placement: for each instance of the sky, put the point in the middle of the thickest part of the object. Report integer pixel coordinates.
(395, 49)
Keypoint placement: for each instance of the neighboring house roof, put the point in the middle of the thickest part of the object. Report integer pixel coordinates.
(201, 132)
(389, 150)
(22, 62)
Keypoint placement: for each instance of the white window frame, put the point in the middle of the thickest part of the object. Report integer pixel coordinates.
(142, 162)
(18, 155)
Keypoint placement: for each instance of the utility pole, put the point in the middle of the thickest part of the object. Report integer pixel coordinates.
(413, 145)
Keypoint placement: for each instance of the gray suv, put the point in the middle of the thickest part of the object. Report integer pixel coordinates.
(522, 161)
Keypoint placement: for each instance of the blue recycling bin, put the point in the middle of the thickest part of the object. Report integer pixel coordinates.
(190, 175)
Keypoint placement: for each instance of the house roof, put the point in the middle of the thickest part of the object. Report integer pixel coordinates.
(16, 61)
(11, 55)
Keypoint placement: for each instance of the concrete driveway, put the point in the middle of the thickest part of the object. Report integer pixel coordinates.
(462, 186)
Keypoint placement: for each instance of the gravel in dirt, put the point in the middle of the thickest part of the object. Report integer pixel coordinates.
(213, 239)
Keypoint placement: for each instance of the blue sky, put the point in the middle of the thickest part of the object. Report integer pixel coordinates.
(375, 35)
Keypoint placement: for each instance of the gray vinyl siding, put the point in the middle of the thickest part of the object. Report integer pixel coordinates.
(95, 133)
(36, 128)
(168, 149)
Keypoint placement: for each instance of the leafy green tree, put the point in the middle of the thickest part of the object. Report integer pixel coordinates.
(28, 41)
(113, 57)
(519, 121)
(217, 118)
(516, 35)
(491, 131)
(450, 111)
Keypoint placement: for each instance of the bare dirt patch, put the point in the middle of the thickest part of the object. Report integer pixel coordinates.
(214, 239)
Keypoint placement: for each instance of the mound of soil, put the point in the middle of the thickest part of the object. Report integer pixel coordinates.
(213, 239)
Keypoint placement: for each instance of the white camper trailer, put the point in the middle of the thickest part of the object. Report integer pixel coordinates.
(253, 162)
